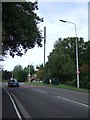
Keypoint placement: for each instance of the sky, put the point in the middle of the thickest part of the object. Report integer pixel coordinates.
(52, 12)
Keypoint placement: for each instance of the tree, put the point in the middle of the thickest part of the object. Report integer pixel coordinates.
(40, 67)
(19, 73)
(62, 61)
(6, 75)
(84, 76)
(32, 70)
(59, 60)
(40, 74)
(20, 29)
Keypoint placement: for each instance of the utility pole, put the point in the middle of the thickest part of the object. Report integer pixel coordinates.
(44, 44)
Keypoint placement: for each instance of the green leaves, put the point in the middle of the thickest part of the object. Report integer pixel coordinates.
(62, 61)
(21, 74)
(19, 24)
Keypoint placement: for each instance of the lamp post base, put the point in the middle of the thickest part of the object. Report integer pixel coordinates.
(29, 78)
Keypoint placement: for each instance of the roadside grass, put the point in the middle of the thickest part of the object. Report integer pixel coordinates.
(62, 86)
(0, 80)
(3, 80)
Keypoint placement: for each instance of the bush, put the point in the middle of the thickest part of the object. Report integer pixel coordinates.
(71, 83)
(84, 81)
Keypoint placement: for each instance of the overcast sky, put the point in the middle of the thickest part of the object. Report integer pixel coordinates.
(52, 12)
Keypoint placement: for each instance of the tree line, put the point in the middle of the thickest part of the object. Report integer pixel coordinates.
(61, 64)
(21, 74)
(62, 61)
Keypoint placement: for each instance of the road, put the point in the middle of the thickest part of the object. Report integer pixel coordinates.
(8, 110)
(47, 102)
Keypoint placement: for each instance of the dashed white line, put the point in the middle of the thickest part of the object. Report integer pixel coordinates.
(64, 98)
(73, 101)
(40, 91)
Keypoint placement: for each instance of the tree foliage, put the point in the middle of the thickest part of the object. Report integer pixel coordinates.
(40, 74)
(32, 70)
(6, 75)
(21, 74)
(40, 67)
(62, 61)
(20, 29)
(18, 73)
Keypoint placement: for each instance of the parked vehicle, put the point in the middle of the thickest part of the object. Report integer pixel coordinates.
(13, 83)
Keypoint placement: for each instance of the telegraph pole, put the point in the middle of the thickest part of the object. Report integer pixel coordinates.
(44, 44)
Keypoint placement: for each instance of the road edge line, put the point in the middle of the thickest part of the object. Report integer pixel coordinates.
(22, 110)
(14, 105)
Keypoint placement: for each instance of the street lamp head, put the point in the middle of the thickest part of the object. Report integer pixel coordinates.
(63, 21)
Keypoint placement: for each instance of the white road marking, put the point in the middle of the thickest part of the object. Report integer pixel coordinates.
(31, 86)
(24, 86)
(40, 91)
(73, 101)
(17, 112)
(64, 98)
(21, 107)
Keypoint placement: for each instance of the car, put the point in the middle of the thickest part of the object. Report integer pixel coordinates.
(13, 83)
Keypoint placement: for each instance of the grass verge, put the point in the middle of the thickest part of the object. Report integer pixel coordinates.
(59, 86)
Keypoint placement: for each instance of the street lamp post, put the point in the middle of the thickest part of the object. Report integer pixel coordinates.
(76, 51)
(12, 74)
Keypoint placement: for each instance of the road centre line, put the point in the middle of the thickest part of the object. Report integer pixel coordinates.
(40, 91)
(73, 101)
(64, 98)
(23, 86)
(17, 112)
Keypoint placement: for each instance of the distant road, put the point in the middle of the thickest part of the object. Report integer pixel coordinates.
(47, 102)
